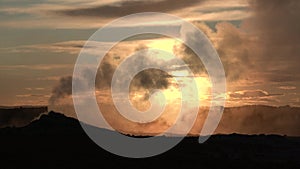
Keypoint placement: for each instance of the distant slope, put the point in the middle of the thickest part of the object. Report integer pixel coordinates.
(257, 119)
(251, 119)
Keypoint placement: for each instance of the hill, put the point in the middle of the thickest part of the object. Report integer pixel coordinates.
(57, 141)
(20, 116)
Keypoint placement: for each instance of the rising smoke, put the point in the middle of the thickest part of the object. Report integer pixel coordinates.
(63, 89)
(148, 79)
(266, 44)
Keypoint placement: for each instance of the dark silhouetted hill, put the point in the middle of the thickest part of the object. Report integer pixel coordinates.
(20, 116)
(57, 141)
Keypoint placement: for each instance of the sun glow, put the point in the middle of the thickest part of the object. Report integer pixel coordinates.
(166, 45)
(173, 93)
(203, 90)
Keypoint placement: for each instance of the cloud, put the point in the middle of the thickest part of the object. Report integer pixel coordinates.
(128, 7)
(287, 87)
(68, 14)
(49, 78)
(72, 47)
(227, 15)
(40, 67)
(34, 89)
(32, 95)
(251, 94)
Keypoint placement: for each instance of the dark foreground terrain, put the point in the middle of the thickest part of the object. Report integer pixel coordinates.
(55, 141)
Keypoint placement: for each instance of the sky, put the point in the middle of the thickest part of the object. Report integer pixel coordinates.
(257, 42)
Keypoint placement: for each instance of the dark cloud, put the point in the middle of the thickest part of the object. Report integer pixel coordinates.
(276, 26)
(129, 7)
(148, 79)
(79, 46)
(276, 21)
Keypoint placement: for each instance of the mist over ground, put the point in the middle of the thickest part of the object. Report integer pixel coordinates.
(252, 119)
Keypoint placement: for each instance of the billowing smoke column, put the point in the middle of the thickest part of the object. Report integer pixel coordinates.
(266, 44)
(149, 79)
(63, 89)
(232, 46)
